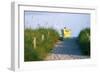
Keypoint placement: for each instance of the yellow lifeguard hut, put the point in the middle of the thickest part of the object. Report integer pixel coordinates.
(66, 33)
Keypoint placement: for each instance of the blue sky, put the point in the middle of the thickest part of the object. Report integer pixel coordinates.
(73, 21)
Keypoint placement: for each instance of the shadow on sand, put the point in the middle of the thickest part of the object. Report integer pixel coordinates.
(68, 46)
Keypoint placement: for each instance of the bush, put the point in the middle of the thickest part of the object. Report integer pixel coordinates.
(84, 41)
(43, 47)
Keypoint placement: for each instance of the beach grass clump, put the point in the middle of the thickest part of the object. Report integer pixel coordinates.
(84, 41)
(46, 38)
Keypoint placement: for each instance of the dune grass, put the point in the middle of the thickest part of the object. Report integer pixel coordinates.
(84, 41)
(43, 47)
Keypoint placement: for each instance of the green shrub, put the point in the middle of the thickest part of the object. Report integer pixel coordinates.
(84, 41)
(43, 47)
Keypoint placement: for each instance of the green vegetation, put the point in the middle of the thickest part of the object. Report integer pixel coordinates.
(84, 41)
(45, 41)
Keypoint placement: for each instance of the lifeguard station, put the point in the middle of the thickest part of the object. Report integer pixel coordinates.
(66, 33)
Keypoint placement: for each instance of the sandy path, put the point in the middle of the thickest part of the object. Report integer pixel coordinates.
(65, 50)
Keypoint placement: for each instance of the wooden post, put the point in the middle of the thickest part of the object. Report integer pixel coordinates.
(34, 42)
(42, 37)
(48, 33)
